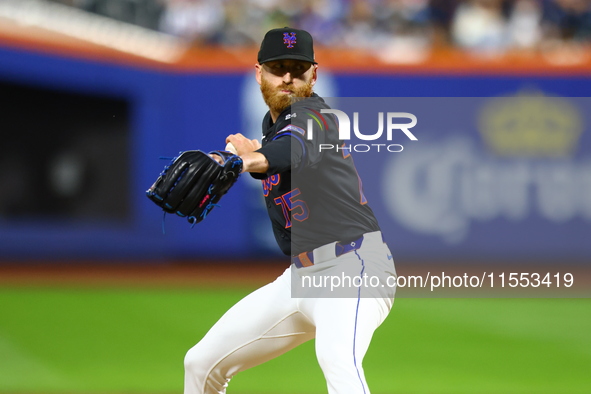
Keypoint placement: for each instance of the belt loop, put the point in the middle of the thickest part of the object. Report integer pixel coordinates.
(326, 252)
(305, 259)
(341, 249)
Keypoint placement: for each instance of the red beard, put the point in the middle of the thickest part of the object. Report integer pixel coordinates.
(277, 101)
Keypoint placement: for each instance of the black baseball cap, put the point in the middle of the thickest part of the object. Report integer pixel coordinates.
(287, 43)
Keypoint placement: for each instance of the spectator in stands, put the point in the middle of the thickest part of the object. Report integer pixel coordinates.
(198, 21)
(324, 20)
(441, 17)
(360, 25)
(382, 26)
(525, 25)
(479, 26)
(568, 19)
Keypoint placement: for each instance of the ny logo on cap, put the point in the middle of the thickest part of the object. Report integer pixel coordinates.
(289, 40)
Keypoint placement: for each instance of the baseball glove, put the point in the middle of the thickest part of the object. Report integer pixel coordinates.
(192, 184)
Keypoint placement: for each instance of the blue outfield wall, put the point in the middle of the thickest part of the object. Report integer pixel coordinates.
(173, 112)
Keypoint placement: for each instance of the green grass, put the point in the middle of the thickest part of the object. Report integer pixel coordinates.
(117, 340)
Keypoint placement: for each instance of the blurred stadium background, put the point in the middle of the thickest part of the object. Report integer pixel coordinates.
(95, 298)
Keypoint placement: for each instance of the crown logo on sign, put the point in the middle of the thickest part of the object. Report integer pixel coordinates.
(530, 126)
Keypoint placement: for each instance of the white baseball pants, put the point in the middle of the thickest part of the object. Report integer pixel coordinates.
(269, 322)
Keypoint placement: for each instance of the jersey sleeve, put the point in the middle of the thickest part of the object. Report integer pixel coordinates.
(299, 139)
(284, 152)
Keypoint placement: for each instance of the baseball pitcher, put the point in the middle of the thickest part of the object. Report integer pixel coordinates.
(320, 219)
